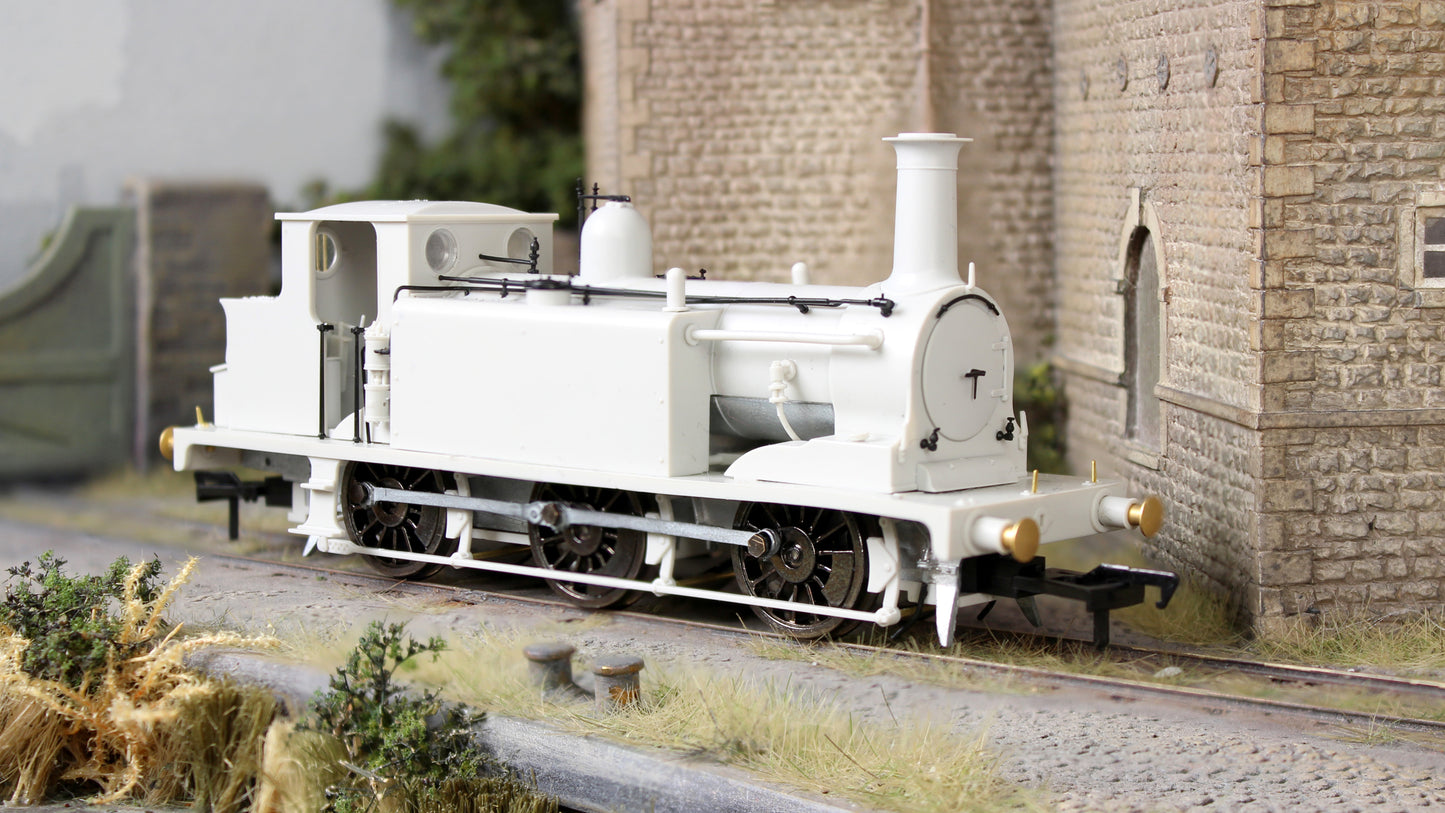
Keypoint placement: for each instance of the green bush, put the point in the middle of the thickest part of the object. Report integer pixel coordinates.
(382, 724)
(516, 101)
(412, 751)
(71, 621)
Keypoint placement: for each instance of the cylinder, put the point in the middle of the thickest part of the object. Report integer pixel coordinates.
(616, 682)
(925, 225)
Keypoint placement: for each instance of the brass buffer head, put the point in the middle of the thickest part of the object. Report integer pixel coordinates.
(1021, 539)
(1147, 516)
(168, 442)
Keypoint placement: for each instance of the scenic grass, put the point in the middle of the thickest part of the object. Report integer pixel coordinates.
(1408, 643)
(781, 733)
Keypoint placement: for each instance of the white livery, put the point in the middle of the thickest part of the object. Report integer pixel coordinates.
(438, 396)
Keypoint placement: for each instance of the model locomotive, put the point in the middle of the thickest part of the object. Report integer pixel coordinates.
(429, 393)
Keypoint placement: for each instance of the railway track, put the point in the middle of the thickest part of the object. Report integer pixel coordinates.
(1416, 693)
(1420, 693)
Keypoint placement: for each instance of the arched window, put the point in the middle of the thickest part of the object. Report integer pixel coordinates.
(1141, 339)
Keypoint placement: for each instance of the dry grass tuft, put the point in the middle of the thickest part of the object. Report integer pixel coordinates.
(298, 767)
(1410, 642)
(142, 723)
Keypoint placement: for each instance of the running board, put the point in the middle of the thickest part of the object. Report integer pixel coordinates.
(1105, 588)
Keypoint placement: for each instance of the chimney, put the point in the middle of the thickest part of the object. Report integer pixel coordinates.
(925, 226)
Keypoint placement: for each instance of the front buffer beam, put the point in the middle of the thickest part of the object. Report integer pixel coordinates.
(1105, 588)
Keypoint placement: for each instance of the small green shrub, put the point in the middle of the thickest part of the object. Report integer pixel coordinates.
(71, 621)
(515, 71)
(405, 749)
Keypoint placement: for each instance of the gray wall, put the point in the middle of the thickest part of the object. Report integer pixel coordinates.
(272, 91)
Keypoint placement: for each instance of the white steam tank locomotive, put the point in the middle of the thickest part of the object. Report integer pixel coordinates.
(430, 394)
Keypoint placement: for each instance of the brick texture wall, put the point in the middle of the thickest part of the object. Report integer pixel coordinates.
(1280, 152)
(748, 132)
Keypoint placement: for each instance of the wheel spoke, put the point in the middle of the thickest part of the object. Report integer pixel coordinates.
(772, 518)
(765, 568)
(841, 525)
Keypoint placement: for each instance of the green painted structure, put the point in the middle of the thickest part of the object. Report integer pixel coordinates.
(67, 357)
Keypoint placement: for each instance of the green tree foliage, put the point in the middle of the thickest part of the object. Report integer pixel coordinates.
(1038, 394)
(515, 72)
(71, 621)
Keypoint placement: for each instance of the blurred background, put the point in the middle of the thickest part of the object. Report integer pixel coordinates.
(101, 91)
(146, 144)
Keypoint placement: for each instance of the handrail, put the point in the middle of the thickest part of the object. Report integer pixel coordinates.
(872, 339)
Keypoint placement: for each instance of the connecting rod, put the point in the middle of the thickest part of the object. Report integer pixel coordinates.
(560, 516)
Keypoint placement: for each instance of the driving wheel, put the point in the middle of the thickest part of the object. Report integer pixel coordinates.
(819, 559)
(396, 526)
(591, 549)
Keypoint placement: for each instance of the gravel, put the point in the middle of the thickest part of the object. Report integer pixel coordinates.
(1090, 751)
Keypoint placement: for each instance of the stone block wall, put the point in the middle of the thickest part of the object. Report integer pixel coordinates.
(1353, 151)
(1284, 156)
(1154, 112)
(196, 242)
(748, 132)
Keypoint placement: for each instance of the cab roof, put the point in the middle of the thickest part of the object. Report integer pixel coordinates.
(410, 211)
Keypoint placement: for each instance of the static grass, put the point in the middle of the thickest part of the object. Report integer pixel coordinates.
(781, 733)
(1084, 660)
(1019, 651)
(1412, 643)
(878, 662)
(128, 503)
(128, 484)
(122, 520)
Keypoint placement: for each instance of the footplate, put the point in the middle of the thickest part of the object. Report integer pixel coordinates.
(1105, 588)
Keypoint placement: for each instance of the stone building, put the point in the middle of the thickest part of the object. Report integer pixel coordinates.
(1224, 223)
